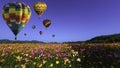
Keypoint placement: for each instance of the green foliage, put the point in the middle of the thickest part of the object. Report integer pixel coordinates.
(105, 39)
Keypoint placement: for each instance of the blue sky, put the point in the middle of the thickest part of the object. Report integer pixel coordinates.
(72, 20)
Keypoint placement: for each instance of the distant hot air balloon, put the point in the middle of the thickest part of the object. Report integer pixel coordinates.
(46, 23)
(53, 35)
(33, 27)
(25, 34)
(41, 32)
(16, 15)
(40, 8)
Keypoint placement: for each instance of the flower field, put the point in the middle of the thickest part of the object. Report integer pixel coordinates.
(84, 55)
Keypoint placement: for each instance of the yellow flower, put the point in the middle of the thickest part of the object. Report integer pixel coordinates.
(40, 65)
(66, 60)
(23, 66)
(57, 62)
(44, 61)
(2, 60)
(26, 54)
(56, 57)
(26, 60)
(3, 54)
(35, 57)
(30, 56)
(19, 58)
(34, 63)
(17, 51)
(22, 53)
(78, 59)
(51, 65)
(70, 65)
(72, 51)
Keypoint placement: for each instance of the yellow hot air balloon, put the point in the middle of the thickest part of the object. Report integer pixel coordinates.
(16, 15)
(40, 8)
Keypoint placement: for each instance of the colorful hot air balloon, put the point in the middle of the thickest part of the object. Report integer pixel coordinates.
(16, 15)
(41, 32)
(33, 27)
(40, 7)
(46, 23)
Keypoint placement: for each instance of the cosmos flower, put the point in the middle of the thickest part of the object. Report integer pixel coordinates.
(7, 51)
(44, 61)
(82, 49)
(34, 63)
(40, 65)
(42, 55)
(35, 50)
(78, 59)
(116, 55)
(32, 54)
(16, 66)
(51, 65)
(2, 60)
(23, 66)
(65, 61)
(49, 55)
(26, 55)
(18, 58)
(70, 65)
(65, 58)
(57, 62)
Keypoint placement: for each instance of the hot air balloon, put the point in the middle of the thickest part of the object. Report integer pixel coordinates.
(41, 32)
(33, 27)
(40, 8)
(46, 23)
(16, 15)
(53, 35)
(25, 34)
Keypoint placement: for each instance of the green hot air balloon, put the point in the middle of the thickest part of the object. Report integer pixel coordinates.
(16, 15)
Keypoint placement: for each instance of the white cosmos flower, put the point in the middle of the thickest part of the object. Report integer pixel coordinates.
(78, 59)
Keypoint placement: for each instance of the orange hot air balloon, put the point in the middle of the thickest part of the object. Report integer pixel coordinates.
(40, 8)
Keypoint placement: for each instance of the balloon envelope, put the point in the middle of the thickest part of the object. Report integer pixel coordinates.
(53, 35)
(33, 27)
(16, 15)
(25, 34)
(41, 32)
(40, 7)
(46, 23)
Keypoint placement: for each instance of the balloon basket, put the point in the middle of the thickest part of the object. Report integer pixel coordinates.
(15, 37)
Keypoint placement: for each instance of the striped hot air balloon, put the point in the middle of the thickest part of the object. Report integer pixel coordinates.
(40, 7)
(16, 15)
